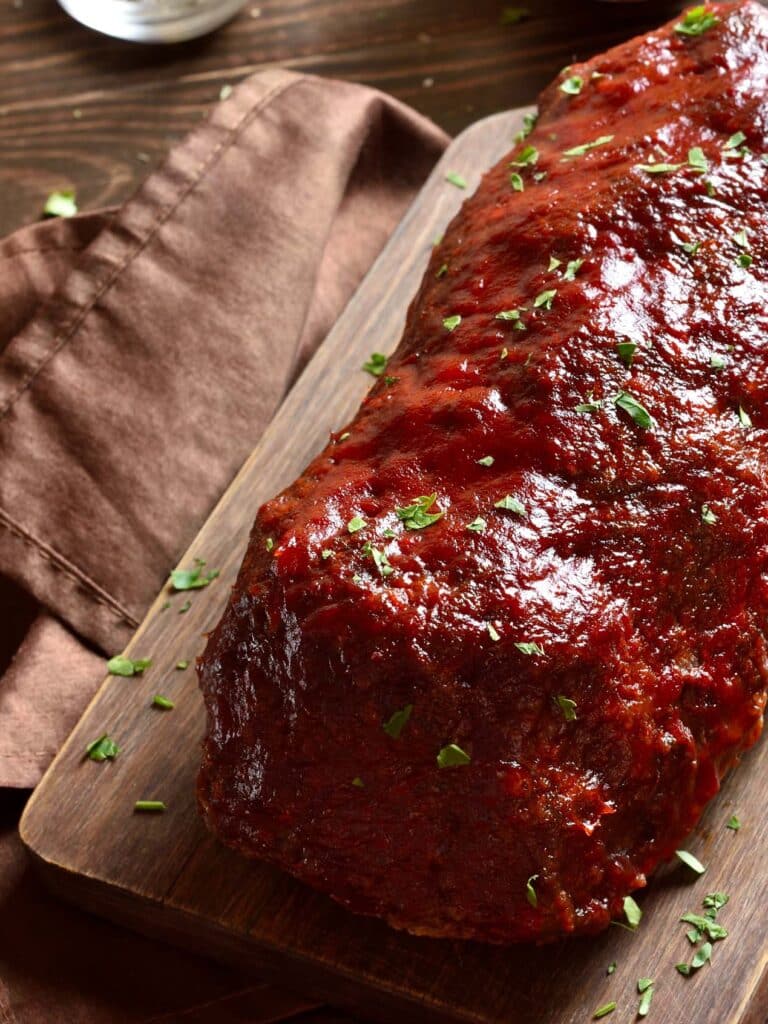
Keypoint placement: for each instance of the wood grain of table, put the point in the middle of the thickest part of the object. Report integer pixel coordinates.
(81, 110)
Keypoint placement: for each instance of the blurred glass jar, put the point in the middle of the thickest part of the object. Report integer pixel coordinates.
(153, 21)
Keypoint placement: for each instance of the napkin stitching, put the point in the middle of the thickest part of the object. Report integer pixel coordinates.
(161, 217)
(58, 561)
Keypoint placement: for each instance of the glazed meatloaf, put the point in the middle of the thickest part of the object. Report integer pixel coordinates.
(488, 658)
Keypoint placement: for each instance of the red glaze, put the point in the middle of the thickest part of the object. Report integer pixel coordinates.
(650, 618)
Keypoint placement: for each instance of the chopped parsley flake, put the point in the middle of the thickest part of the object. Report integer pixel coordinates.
(487, 460)
(572, 85)
(529, 123)
(632, 912)
(696, 21)
(611, 967)
(630, 405)
(504, 353)
(567, 706)
(510, 504)
(586, 146)
(645, 988)
(417, 515)
(442, 271)
(661, 168)
(526, 158)
(736, 140)
(572, 269)
(185, 607)
(358, 782)
(697, 160)
(545, 299)
(455, 179)
(450, 323)
(626, 352)
(477, 525)
(191, 579)
(149, 805)
(356, 523)
(705, 925)
(514, 316)
(269, 544)
(603, 1011)
(376, 364)
(592, 405)
(102, 749)
(530, 648)
(733, 823)
(708, 516)
(530, 892)
(122, 666)
(740, 238)
(398, 722)
(744, 418)
(690, 861)
(60, 204)
(717, 362)
(380, 559)
(554, 263)
(181, 665)
(163, 703)
(744, 259)
(516, 181)
(493, 633)
(691, 247)
(452, 756)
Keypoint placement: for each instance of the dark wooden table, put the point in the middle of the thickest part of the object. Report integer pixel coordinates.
(83, 111)
(78, 109)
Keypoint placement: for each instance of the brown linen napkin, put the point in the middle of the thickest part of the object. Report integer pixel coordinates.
(143, 352)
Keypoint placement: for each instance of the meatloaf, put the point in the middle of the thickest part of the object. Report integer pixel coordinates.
(488, 658)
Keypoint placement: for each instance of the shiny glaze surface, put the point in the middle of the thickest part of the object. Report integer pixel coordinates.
(639, 566)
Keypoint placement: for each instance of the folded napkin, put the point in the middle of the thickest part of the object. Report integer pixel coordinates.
(143, 351)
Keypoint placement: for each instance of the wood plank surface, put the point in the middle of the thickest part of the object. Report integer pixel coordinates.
(164, 875)
(81, 110)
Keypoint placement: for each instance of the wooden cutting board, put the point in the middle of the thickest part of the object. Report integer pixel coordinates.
(164, 875)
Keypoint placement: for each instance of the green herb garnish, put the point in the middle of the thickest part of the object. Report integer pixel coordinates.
(707, 515)
(645, 988)
(185, 607)
(697, 160)
(60, 204)
(398, 722)
(417, 515)
(691, 247)
(450, 323)
(744, 418)
(530, 648)
(376, 364)
(591, 405)
(736, 140)
(733, 823)
(452, 756)
(478, 525)
(568, 707)
(572, 269)
(122, 666)
(380, 559)
(443, 270)
(690, 861)
(526, 158)
(554, 263)
(493, 633)
(745, 260)
(696, 21)
(357, 781)
(586, 146)
(626, 352)
(355, 524)
(638, 413)
(603, 1011)
(487, 461)
(191, 579)
(514, 315)
(102, 749)
(326, 553)
(159, 701)
(516, 181)
(545, 299)
(181, 665)
(512, 16)
(660, 168)
(269, 544)
(510, 504)
(632, 912)
(572, 85)
(455, 179)
(530, 892)
(149, 805)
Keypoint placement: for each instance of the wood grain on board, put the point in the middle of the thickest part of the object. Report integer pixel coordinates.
(80, 110)
(164, 875)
